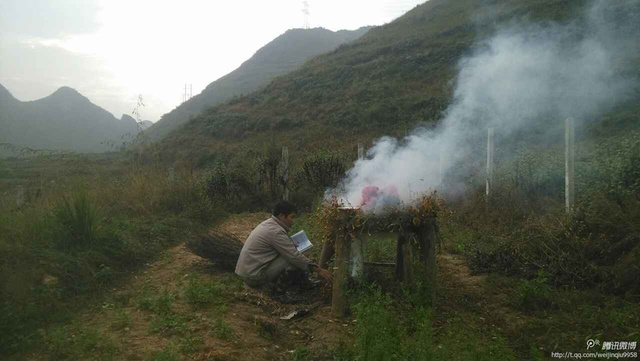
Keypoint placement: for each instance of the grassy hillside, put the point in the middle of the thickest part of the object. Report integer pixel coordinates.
(282, 55)
(395, 77)
(404, 74)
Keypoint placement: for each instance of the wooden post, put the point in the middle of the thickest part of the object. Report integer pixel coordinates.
(172, 175)
(404, 260)
(490, 166)
(20, 196)
(399, 257)
(569, 163)
(427, 240)
(285, 172)
(360, 151)
(328, 249)
(341, 275)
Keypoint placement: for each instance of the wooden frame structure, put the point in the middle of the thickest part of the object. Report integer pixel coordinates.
(420, 239)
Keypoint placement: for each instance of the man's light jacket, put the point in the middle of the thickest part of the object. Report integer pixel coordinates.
(266, 242)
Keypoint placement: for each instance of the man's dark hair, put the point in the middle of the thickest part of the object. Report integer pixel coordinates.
(284, 207)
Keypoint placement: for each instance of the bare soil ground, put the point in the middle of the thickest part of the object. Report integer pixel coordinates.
(246, 325)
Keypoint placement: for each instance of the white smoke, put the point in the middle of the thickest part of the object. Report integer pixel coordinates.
(523, 77)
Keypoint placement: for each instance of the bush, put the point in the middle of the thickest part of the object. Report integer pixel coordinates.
(236, 186)
(535, 294)
(324, 169)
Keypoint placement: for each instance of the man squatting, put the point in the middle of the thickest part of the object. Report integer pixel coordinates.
(269, 251)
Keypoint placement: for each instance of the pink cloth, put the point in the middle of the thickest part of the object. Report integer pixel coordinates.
(369, 195)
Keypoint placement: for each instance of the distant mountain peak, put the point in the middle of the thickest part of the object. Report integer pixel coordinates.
(66, 91)
(65, 119)
(5, 94)
(127, 118)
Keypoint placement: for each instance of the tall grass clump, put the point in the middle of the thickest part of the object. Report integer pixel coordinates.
(78, 220)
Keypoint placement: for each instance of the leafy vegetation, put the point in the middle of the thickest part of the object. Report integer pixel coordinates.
(76, 237)
(525, 231)
(387, 328)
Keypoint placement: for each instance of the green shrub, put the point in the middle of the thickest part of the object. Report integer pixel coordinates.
(222, 330)
(160, 305)
(324, 169)
(535, 294)
(300, 354)
(236, 186)
(169, 324)
(200, 293)
(190, 344)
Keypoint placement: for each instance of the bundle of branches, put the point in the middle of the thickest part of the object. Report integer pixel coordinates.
(220, 248)
(401, 218)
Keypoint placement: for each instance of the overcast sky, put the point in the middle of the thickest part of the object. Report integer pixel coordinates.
(113, 50)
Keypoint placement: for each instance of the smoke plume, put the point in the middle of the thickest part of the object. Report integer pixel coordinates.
(523, 77)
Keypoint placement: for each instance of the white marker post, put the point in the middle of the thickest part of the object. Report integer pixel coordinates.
(172, 175)
(490, 165)
(20, 196)
(356, 266)
(285, 172)
(440, 171)
(360, 151)
(569, 163)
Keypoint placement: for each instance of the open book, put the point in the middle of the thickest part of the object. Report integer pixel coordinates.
(301, 241)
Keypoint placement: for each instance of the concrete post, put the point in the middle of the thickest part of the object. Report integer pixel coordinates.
(172, 175)
(490, 165)
(569, 163)
(20, 196)
(360, 151)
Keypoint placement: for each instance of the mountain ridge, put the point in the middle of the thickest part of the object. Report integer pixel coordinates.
(63, 120)
(281, 55)
(394, 78)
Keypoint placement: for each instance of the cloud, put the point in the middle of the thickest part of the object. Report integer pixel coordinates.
(31, 70)
(47, 18)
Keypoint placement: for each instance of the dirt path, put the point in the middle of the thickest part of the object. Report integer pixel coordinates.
(150, 317)
(484, 305)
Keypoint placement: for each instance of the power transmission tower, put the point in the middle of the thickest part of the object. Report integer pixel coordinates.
(306, 13)
(188, 94)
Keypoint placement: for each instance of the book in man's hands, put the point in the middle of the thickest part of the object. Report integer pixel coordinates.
(301, 241)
